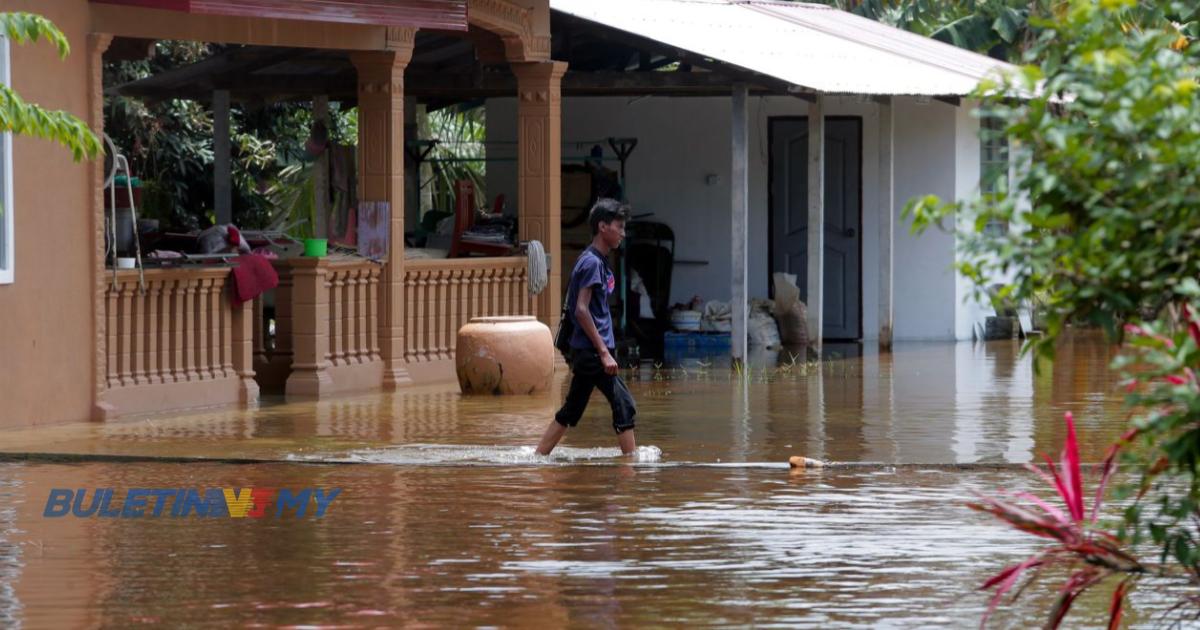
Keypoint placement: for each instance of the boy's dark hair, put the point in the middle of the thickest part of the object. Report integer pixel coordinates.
(607, 210)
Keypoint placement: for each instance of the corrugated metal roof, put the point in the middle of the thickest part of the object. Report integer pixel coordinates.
(807, 45)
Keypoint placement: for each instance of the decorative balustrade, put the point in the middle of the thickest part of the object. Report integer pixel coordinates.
(180, 331)
(440, 295)
(334, 325)
(181, 343)
(353, 312)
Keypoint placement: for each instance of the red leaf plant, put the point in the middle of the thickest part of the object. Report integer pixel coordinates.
(1091, 553)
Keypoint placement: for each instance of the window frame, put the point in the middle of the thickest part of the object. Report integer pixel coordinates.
(995, 174)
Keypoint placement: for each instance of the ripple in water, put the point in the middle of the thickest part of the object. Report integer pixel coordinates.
(434, 454)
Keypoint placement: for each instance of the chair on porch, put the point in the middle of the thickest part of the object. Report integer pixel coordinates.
(463, 243)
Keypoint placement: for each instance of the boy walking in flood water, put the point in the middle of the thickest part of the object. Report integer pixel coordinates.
(592, 343)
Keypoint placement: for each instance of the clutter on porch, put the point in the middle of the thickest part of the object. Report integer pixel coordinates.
(700, 330)
(489, 235)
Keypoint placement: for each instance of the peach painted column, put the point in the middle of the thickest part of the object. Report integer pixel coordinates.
(310, 329)
(282, 353)
(243, 349)
(381, 178)
(539, 164)
(101, 409)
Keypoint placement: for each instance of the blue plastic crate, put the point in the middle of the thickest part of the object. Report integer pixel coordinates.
(696, 340)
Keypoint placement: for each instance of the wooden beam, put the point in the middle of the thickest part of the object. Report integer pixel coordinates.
(222, 175)
(429, 85)
(887, 209)
(648, 82)
(198, 80)
(424, 82)
(320, 111)
(739, 184)
(815, 300)
(653, 83)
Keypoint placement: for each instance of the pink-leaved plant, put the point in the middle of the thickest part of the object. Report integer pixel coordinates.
(1091, 553)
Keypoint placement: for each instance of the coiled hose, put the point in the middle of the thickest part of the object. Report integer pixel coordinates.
(538, 274)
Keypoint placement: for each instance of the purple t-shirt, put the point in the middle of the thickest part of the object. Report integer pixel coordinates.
(591, 270)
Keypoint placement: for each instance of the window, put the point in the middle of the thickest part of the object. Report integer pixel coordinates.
(993, 166)
(6, 194)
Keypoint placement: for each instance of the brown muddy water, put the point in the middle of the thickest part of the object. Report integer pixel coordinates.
(446, 518)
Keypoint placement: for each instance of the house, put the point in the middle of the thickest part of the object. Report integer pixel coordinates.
(728, 100)
(84, 341)
(721, 95)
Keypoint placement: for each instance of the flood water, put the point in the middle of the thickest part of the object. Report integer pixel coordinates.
(446, 518)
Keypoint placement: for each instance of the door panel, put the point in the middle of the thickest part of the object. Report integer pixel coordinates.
(843, 216)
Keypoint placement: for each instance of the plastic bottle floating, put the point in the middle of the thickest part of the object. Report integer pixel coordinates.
(799, 461)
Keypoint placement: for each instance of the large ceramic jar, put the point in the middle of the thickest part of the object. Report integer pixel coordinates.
(504, 355)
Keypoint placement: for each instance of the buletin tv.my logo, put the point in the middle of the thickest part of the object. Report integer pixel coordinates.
(190, 502)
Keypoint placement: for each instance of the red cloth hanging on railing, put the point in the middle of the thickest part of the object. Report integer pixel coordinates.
(252, 276)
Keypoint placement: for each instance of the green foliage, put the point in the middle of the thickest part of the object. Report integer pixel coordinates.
(169, 143)
(1104, 230)
(1160, 365)
(20, 117)
(1001, 28)
(462, 133)
(292, 195)
(1108, 163)
(29, 27)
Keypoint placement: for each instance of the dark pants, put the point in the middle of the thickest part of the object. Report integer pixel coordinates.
(587, 372)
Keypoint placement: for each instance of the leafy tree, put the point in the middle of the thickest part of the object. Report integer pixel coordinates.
(1000, 28)
(461, 132)
(1104, 229)
(20, 117)
(170, 145)
(1103, 216)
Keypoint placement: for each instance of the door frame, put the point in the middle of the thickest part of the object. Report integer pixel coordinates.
(771, 207)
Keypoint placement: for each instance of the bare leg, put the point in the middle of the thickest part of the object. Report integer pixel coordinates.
(550, 438)
(627, 442)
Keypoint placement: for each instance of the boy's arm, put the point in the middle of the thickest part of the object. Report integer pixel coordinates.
(584, 316)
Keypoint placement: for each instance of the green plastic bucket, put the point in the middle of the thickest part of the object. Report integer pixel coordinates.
(315, 247)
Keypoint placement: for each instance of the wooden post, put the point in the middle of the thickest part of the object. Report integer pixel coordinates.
(539, 163)
(887, 211)
(222, 174)
(381, 178)
(815, 300)
(310, 329)
(739, 184)
(321, 188)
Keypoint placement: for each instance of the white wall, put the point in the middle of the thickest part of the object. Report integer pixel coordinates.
(680, 140)
(967, 171)
(924, 276)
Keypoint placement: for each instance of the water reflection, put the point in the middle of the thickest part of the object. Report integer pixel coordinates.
(524, 546)
(429, 535)
(923, 403)
(10, 555)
